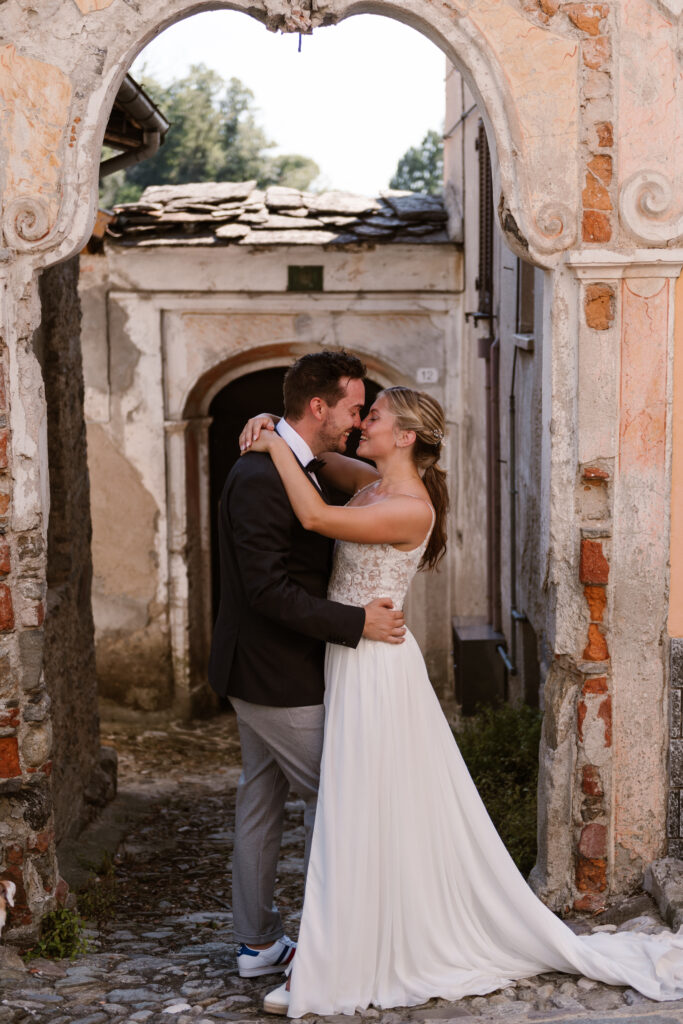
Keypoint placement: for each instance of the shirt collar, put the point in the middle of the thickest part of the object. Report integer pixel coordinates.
(295, 442)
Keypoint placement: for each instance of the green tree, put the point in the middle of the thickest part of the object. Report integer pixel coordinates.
(420, 169)
(214, 136)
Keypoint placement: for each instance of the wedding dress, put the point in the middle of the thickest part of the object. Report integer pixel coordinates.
(410, 892)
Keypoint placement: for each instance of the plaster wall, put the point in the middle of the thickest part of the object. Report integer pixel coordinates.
(466, 370)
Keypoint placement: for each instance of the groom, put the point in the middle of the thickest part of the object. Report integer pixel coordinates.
(269, 641)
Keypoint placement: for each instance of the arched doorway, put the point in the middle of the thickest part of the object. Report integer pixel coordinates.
(231, 407)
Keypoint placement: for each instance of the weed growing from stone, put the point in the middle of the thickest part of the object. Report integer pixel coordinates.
(61, 937)
(500, 748)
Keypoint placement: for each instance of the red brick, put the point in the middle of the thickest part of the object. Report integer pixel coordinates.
(587, 17)
(42, 840)
(595, 684)
(596, 598)
(605, 134)
(596, 227)
(4, 504)
(598, 307)
(591, 874)
(590, 902)
(9, 757)
(4, 439)
(601, 167)
(595, 475)
(594, 567)
(6, 609)
(4, 557)
(605, 713)
(591, 784)
(581, 710)
(3, 389)
(15, 855)
(593, 842)
(10, 719)
(595, 196)
(596, 648)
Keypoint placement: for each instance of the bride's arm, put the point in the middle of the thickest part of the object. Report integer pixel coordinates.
(399, 520)
(347, 475)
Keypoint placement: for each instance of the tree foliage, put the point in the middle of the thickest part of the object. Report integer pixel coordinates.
(420, 169)
(214, 136)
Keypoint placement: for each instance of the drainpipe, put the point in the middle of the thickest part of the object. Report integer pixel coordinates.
(512, 490)
(137, 105)
(494, 457)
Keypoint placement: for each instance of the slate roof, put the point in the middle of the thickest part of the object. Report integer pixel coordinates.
(237, 213)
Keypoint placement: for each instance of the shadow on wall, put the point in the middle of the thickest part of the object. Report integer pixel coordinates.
(83, 774)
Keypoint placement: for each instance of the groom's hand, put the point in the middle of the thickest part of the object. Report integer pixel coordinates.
(384, 622)
(252, 429)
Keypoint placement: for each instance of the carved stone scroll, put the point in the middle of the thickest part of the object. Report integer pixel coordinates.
(645, 204)
(26, 221)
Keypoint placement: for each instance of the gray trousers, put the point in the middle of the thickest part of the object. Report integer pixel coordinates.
(281, 750)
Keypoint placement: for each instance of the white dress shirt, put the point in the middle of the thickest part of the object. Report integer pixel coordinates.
(297, 444)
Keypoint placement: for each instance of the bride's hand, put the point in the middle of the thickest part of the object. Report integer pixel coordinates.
(264, 442)
(252, 430)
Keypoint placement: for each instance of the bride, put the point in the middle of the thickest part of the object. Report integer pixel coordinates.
(410, 893)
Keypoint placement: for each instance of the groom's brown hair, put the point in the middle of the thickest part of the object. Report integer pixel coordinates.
(317, 375)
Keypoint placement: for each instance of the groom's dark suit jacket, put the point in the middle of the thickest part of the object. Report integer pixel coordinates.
(273, 619)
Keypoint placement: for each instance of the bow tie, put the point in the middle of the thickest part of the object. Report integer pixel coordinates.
(314, 465)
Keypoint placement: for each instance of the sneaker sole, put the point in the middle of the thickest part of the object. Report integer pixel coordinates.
(256, 972)
(276, 1008)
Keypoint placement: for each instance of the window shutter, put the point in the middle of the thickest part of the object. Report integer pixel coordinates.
(485, 279)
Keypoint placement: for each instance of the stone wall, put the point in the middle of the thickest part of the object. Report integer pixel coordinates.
(82, 778)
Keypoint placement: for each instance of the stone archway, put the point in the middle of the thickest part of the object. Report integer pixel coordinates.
(581, 101)
(536, 174)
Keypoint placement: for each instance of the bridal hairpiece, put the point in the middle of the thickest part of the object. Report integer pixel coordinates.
(438, 434)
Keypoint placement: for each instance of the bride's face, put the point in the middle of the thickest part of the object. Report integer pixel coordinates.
(378, 431)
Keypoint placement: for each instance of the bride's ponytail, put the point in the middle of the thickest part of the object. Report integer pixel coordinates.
(418, 411)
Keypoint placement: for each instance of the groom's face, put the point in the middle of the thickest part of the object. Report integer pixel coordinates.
(340, 419)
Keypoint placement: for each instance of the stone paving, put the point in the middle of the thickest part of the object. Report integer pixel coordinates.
(159, 935)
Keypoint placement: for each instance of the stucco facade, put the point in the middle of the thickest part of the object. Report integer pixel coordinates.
(582, 106)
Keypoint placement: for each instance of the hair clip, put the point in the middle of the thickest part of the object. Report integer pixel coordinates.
(438, 434)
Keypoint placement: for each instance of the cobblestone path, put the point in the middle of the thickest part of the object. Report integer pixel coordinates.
(159, 934)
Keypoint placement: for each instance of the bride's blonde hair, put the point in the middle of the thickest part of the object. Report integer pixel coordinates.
(418, 411)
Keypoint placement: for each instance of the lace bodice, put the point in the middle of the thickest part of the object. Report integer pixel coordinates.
(363, 572)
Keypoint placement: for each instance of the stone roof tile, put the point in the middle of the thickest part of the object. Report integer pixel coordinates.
(229, 212)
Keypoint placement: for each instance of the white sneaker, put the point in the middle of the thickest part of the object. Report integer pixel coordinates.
(277, 1001)
(251, 963)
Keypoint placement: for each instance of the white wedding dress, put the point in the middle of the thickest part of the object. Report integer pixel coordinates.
(410, 892)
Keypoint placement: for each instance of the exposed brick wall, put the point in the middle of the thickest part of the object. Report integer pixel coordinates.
(594, 707)
(27, 850)
(590, 23)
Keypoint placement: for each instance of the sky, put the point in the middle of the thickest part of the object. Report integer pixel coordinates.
(354, 99)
